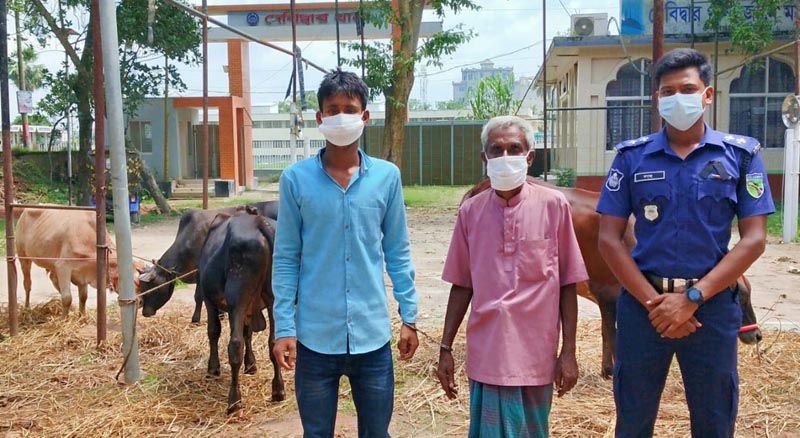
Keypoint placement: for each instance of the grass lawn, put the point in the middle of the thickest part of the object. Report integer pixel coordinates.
(434, 196)
(775, 223)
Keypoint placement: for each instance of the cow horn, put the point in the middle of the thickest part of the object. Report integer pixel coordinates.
(148, 274)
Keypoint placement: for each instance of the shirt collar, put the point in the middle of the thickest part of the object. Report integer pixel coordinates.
(661, 143)
(364, 162)
(514, 201)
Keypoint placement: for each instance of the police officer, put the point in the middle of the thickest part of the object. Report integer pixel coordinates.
(684, 185)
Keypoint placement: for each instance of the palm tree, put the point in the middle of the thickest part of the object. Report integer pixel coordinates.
(34, 73)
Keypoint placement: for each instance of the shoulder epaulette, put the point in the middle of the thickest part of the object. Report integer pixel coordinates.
(636, 142)
(748, 144)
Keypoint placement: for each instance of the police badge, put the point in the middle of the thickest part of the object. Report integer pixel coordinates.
(651, 212)
(755, 184)
(614, 180)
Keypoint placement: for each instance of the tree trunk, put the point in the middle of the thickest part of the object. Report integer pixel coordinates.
(83, 86)
(410, 14)
(150, 184)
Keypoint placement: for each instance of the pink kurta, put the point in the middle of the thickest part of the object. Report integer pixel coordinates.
(515, 256)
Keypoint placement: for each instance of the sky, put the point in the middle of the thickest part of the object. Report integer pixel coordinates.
(507, 31)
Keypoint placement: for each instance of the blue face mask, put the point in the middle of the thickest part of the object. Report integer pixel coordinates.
(681, 111)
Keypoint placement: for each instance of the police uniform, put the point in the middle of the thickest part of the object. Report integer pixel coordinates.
(684, 210)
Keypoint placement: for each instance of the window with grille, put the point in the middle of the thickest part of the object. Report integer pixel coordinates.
(627, 96)
(756, 97)
(141, 134)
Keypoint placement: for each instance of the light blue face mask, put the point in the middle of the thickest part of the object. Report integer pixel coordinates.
(681, 111)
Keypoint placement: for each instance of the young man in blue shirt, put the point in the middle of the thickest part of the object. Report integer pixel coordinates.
(684, 185)
(341, 217)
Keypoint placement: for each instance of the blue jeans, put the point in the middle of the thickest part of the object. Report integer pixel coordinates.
(707, 359)
(371, 378)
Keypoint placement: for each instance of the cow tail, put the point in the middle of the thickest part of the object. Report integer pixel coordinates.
(268, 231)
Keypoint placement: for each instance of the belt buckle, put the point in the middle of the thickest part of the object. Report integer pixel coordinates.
(671, 285)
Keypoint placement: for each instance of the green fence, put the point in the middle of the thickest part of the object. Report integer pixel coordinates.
(435, 153)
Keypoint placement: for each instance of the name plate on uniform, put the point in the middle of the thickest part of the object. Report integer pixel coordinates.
(649, 176)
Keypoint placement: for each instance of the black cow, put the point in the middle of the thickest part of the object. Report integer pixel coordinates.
(235, 268)
(182, 257)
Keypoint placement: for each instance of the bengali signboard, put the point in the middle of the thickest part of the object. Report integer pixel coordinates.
(311, 24)
(679, 15)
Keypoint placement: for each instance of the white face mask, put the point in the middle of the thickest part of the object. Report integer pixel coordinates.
(507, 172)
(681, 111)
(342, 129)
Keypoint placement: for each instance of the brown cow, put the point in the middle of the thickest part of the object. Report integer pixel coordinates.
(603, 287)
(64, 243)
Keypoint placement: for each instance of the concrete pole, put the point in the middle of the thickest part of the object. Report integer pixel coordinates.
(791, 170)
(21, 75)
(205, 105)
(119, 177)
(8, 177)
(100, 172)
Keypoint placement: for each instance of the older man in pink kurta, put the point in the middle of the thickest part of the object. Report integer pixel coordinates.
(515, 258)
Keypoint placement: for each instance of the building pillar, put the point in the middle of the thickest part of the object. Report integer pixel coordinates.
(239, 85)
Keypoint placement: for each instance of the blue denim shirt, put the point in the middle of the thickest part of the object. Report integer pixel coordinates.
(330, 247)
(684, 208)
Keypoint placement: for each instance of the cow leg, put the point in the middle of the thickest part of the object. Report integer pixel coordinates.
(607, 302)
(278, 390)
(25, 265)
(83, 295)
(198, 305)
(235, 353)
(214, 331)
(63, 274)
(249, 357)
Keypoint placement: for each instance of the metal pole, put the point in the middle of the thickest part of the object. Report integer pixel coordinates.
(658, 51)
(420, 154)
(21, 75)
(338, 43)
(544, 81)
(67, 115)
(205, 105)
(452, 152)
(716, 74)
(691, 20)
(293, 106)
(100, 172)
(119, 176)
(363, 26)
(166, 118)
(8, 177)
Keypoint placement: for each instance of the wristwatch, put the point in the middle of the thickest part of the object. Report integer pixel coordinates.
(695, 295)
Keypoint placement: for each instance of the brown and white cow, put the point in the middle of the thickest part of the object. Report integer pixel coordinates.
(64, 243)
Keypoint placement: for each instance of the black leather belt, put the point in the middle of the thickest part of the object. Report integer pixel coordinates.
(670, 285)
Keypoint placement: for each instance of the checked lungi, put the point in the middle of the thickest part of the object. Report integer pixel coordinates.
(509, 411)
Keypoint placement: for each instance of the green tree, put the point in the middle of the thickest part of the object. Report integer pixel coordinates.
(748, 36)
(493, 97)
(311, 103)
(176, 35)
(418, 105)
(390, 66)
(451, 105)
(34, 119)
(34, 73)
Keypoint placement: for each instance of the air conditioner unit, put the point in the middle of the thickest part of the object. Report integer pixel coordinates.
(589, 24)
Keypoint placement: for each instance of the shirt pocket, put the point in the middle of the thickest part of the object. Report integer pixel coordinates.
(716, 201)
(651, 199)
(536, 260)
(368, 220)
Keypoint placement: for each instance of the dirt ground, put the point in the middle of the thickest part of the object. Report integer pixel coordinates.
(775, 299)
